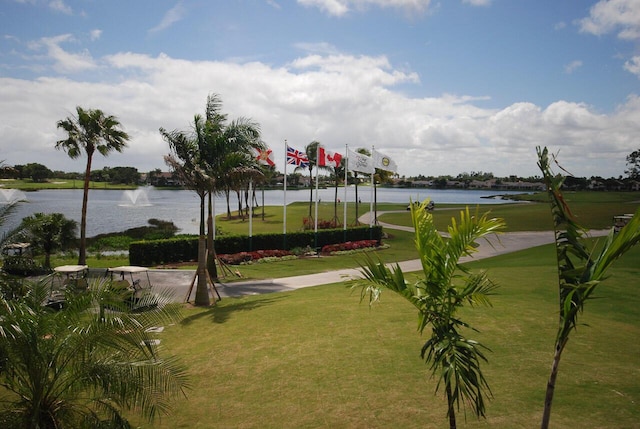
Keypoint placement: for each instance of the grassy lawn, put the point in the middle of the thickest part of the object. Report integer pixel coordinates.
(316, 357)
(30, 185)
(594, 210)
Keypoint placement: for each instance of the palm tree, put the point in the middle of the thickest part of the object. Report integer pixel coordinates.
(226, 153)
(453, 358)
(79, 367)
(187, 163)
(90, 131)
(580, 268)
(49, 232)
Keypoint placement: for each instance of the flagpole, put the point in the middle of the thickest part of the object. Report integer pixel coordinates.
(316, 217)
(284, 204)
(346, 164)
(373, 185)
(250, 214)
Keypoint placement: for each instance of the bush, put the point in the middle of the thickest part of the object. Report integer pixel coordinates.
(148, 253)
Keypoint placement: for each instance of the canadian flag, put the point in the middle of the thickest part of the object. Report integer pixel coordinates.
(328, 159)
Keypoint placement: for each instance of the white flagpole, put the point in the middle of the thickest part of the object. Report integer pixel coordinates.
(250, 209)
(317, 161)
(373, 185)
(284, 204)
(346, 165)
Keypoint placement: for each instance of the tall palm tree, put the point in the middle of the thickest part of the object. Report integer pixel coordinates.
(227, 157)
(446, 287)
(580, 268)
(187, 163)
(82, 368)
(49, 231)
(90, 131)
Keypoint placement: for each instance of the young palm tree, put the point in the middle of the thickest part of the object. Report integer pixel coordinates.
(82, 368)
(580, 269)
(446, 287)
(88, 132)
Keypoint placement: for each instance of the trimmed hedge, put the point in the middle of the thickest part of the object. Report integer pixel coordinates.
(157, 252)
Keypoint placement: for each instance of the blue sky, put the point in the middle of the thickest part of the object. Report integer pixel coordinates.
(442, 87)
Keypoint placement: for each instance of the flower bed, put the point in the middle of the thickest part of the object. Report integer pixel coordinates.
(248, 257)
(270, 255)
(348, 246)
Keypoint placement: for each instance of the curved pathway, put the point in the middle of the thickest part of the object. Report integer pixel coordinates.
(180, 280)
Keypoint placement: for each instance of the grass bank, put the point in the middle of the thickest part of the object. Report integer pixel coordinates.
(316, 357)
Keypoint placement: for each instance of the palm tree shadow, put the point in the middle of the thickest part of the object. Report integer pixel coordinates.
(221, 313)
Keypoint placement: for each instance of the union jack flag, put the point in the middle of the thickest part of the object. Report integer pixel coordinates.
(297, 158)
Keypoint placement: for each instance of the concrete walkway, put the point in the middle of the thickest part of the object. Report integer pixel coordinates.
(180, 280)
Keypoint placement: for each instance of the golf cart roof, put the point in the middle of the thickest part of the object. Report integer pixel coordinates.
(70, 268)
(128, 269)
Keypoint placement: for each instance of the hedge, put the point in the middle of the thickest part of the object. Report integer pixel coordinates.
(157, 252)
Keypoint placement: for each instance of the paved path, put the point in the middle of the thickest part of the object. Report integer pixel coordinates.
(180, 280)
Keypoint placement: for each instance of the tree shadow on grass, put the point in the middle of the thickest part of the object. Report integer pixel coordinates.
(222, 312)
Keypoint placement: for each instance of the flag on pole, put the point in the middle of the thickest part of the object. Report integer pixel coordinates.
(296, 157)
(383, 162)
(359, 162)
(264, 157)
(327, 158)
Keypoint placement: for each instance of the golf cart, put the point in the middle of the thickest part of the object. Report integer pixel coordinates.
(65, 279)
(134, 285)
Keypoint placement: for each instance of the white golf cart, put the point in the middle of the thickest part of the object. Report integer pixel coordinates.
(66, 278)
(134, 283)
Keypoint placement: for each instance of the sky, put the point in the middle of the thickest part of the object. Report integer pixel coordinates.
(441, 87)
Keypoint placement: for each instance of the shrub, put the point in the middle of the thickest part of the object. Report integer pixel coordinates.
(348, 246)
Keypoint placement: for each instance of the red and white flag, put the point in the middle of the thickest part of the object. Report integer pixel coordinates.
(264, 157)
(327, 158)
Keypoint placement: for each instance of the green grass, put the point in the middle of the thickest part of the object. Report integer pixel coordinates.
(594, 210)
(316, 357)
(30, 185)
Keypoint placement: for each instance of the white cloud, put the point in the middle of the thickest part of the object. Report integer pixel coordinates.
(608, 16)
(336, 99)
(60, 6)
(572, 66)
(95, 34)
(478, 2)
(64, 61)
(173, 15)
(342, 7)
(633, 65)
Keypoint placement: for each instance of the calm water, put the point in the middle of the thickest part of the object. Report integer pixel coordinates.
(113, 211)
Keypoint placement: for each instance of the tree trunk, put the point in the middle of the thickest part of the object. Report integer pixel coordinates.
(451, 411)
(551, 384)
(82, 252)
(202, 292)
(211, 251)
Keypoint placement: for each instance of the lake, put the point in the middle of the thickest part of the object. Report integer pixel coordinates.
(114, 211)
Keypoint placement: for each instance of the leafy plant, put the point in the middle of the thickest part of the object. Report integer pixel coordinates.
(580, 268)
(80, 367)
(445, 288)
